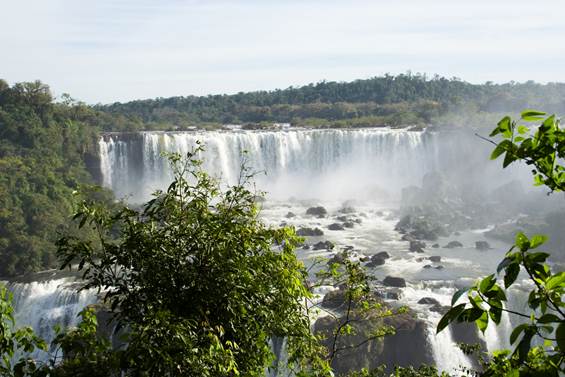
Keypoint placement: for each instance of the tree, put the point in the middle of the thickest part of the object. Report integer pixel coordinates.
(14, 341)
(200, 283)
(542, 148)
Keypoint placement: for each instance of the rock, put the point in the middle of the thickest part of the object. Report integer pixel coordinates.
(327, 245)
(334, 299)
(435, 245)
(306, 247)
(419, 227)
(382, 254)
(376, 261)
(342, 218)
(391, 281)
(317, 211)
(482, 245)
(440, 309)
(335, 226)
(349, 224)
(453, 244)
(337, 258)
(457, 233)
(310, 232)
(408, 346)
(290, 215)
(417, 246)
(435, 258)
(428, 301)
(365, 258)
(407, 237)
(439, 267)
(393, 294)
(347, 209)
(428, 266)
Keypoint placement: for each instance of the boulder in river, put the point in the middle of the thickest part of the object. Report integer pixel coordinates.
(347, 209)
(435, 258)
(375, 261)
(453, 244)
(317, 211)
(392, 281)
(290, 215)
(335, 226)
(327, 245)
(435, 245)
(482, 245)
(428, 301)
(382, 254)
(417, 246)
(310, 232)
(349, 224)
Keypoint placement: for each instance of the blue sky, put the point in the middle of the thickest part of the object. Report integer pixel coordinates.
(120, 50)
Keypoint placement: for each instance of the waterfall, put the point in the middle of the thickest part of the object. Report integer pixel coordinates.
(319, 163)
(42, 305)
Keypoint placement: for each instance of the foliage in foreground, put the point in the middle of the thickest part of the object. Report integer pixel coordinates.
(195, 279)
(543, 149)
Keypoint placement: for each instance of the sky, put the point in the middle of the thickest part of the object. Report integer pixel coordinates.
(105, 51)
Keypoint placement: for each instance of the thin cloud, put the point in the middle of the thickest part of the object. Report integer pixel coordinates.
(107, 51)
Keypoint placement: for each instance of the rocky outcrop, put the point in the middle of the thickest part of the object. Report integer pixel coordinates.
(482, 245)
(391, 281)
(453, 244)
(382, 254)
(417, 246)
(317, 211)
(336, 226)
(310, 232)
(408, 346)
(428, 301)
(323, 245)
(376, 261)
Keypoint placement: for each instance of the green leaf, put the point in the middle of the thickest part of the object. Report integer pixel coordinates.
(517, 331)
(523, 130)
(549, 318)
(487, 283)
(503, 264)
(450, 316)
(495, 314)
(522, 241)
(560, 336)
(532, 115)
(525, 345)
(457, 295)
(508, 159)
(502, 147)
(555, 281)
(512, 272)
(537, 240)
(482, 322)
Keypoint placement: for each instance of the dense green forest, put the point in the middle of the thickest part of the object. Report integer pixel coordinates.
(387, 100)
(45, 150)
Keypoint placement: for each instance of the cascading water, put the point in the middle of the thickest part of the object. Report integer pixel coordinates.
(294, 162)
(42, 305)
